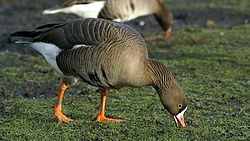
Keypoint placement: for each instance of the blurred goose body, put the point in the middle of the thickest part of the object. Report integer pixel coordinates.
(105, 54)
(81, 8)
(118, 10)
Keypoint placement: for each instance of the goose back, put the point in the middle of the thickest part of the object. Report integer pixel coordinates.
(85, 31)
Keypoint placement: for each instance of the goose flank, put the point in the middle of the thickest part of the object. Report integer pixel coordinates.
(105, 54)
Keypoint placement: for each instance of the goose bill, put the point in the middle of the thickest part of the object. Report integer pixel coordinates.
(168, 33)
(180, 118)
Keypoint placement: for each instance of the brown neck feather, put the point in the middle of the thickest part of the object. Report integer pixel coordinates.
(161, 77)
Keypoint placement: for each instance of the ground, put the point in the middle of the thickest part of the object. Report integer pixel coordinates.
(209, 54)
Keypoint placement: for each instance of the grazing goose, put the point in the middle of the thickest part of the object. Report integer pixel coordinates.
(105, 54)
(118, 10)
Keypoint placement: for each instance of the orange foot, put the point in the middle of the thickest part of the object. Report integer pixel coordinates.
(102, 118)
(58, 113)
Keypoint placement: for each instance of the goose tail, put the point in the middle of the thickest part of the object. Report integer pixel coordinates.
(22, 37)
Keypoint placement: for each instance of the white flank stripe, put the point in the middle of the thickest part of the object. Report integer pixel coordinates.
(77, 46)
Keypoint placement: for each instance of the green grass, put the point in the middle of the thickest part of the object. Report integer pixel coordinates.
(239, 6)
(213, 70)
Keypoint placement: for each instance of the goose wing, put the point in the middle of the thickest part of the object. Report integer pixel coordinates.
(78, 32)
(85, 32)
(90, 31)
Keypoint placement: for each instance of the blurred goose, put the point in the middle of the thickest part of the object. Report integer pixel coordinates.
(105, 54)
(118, 10)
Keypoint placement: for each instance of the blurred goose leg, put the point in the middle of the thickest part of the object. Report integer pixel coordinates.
(58, 106)
(100, 116)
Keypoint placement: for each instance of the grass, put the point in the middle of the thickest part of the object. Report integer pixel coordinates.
(211, 65)
(239, 6)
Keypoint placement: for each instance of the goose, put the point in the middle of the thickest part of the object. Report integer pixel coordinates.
(118, 10)
(105, 54)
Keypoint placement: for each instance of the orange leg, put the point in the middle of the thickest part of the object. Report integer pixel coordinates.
(100, 116)
(58, 106)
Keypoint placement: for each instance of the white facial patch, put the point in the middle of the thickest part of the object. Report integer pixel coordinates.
(181, 113)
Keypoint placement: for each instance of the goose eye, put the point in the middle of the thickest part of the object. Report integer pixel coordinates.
(179, 106)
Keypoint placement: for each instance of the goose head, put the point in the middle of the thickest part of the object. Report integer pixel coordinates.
(164, 17)
(174, 101)
(171, 95)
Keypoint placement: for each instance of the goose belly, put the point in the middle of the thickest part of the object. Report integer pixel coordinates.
(49, 52)
(85, 64)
